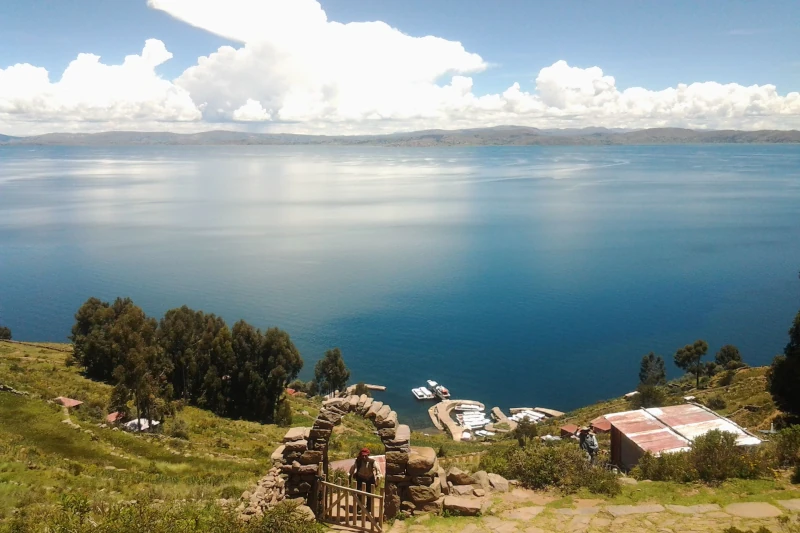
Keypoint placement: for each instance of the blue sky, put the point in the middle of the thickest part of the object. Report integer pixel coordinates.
(648, 44)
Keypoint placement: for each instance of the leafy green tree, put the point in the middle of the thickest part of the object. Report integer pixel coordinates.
(331, 373)
(5, 334)
(784, 374)
(92, 347)
(689, 358)
(652, 370)
(728, 356)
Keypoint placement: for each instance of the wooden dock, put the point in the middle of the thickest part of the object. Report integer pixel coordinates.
(501, 418)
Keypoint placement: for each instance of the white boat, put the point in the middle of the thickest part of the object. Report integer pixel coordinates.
(484, 433)
(421, 393)
(466, 435)
(432, 384)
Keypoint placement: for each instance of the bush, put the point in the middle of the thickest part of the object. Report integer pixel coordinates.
(649, 396)
(713, 458)
(796, 475)
(5, 333)
(361, 388)
(283, 417)
(525, 432)
(716, 403)
(178, 429)
(541, 465)
(787, 446)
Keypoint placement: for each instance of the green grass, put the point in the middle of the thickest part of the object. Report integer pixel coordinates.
(42, 458)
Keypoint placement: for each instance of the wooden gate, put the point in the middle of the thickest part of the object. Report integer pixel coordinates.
(356, 509)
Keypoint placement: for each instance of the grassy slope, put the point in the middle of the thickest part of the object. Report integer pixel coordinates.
(42, 458)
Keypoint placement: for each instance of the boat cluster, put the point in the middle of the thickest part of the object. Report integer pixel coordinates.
(473, 419)
(432, 391)
(530, 416)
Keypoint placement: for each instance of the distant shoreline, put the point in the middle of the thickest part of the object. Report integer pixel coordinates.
(496, 136)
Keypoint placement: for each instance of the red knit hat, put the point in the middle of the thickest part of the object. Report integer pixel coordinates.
(364, 451)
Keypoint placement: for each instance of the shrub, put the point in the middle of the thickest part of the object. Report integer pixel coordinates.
(5, 333)
(716, 403)
(713, 458)
(541, 465)
(796, 475)
(361, 388)
(525, 432)
(283, 417)
(787, 446)
(649, 396)
(178, 429)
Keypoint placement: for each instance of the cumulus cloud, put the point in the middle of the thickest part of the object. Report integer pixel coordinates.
(90, 91)
(294, 70)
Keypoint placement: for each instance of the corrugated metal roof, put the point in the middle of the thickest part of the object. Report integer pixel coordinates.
(673, 428)
(68, 402)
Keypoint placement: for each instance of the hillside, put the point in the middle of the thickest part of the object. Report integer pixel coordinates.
(41, 457)
(493, 136)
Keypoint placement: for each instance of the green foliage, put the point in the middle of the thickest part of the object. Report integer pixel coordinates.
(784, 374)
(540, 465)
(689, 358)
(713, 458)
(796, 474)
(716, 402)
(649, 396)
(330, 373)
(733, 529)
(361, 388)
(284, 415)
(652, 370)
(189, 354)
(728, 354)
(178, 429)
(5, 333)
(308, 387)
(525, 432)
(787, 446)
(76, 515)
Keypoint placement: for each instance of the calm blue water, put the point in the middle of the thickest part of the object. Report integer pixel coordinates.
(515, 276)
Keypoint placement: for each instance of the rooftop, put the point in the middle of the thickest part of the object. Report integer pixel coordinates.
(672, 429)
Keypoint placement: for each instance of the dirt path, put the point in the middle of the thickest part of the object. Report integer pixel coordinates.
(526, 512)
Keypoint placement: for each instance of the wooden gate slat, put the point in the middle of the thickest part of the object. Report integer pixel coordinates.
(359, 506)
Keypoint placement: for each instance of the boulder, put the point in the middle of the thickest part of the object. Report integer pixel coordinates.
(421, 460)
(462, 506)
(364, 408)
(398, 458)
(432, 507)
(462, 490)
(382, 413)
(498, 482)
(361, 401)
(373, 410)
(426, 481)
(393, 468)
(319, 434)
(479, 493)
(458, 477)
(296, 434)
(353, 403)
(397, 478)
(277, 455)
(303, 513)
(482, 479)
(310, 457)
(421, 494)
(387, 433)
(389, 421)
(296, 446)
(391, 502)
(321, 423)
(442, 480)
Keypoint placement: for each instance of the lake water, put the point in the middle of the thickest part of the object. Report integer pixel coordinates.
(516, 276)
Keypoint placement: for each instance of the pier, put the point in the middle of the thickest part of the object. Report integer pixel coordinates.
(440, 416)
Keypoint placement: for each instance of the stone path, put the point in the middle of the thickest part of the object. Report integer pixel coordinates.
(512, 515)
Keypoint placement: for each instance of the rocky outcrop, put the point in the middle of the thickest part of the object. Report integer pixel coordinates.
(462, 506)
(268, 492)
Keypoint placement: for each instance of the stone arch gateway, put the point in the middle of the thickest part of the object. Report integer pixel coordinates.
(414, 479)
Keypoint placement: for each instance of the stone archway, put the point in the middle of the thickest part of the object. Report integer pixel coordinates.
(413, 476)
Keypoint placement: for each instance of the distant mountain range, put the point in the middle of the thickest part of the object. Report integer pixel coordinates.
(496, 136)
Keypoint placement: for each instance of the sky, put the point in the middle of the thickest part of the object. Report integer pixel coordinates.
(366, 66)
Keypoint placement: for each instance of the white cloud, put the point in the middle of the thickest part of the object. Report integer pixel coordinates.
(90, 91)
(252, 111)
(296, 71)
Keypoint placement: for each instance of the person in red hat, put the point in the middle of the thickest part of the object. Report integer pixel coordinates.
(365, 470)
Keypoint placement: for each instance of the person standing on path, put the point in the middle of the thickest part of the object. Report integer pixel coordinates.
(588, 443)
(365, 470)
